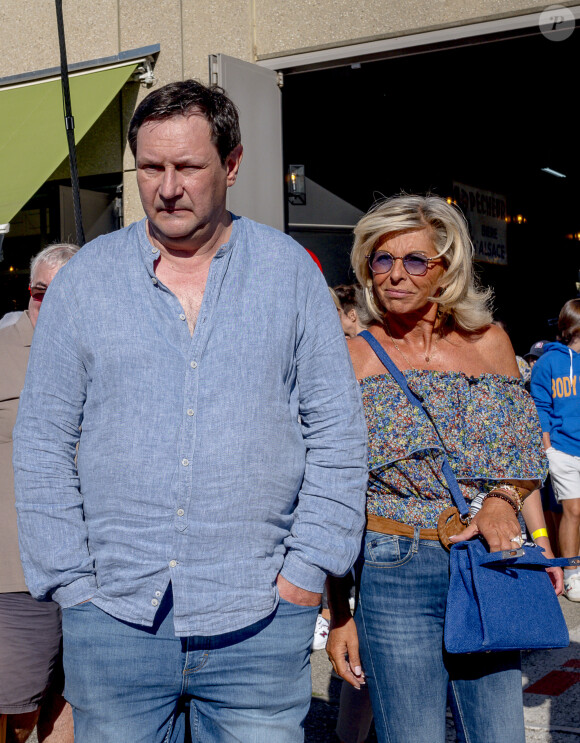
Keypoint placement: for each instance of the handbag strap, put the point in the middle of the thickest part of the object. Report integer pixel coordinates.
(415, 400)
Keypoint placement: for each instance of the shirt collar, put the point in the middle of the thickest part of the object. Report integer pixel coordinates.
(150, 253)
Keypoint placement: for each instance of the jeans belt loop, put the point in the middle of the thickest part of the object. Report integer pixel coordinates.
(416, 538)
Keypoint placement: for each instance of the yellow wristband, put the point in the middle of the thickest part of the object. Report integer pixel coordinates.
(539, 533)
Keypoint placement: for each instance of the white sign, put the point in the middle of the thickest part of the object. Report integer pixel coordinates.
(486, 214)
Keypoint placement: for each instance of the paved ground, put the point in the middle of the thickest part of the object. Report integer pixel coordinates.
(552, 716)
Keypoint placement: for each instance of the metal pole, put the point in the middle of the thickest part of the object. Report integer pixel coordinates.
(70, 126)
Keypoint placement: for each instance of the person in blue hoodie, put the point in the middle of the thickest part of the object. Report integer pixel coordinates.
(555, 387)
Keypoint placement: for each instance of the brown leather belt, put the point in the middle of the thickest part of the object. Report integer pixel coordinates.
(389, 526)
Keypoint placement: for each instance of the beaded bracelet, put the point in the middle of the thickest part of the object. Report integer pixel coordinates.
(511, 490)
(506, 498)
(539, 533)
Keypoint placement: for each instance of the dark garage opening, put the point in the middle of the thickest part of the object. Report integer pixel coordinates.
(490, 115)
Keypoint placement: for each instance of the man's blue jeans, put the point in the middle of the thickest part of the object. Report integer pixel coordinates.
(132, 684)
(400, 618)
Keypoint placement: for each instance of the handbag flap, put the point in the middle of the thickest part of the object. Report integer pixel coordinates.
(529, 554)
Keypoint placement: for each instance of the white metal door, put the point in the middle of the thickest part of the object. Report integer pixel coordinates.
(259, 190)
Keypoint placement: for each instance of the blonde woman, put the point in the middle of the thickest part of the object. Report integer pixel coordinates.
(413, 257)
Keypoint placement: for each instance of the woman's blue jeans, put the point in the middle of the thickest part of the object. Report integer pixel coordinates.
(400, 619)
(133, 684)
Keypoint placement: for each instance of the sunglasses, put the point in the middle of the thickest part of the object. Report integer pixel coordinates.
(413, 263)
(37, 293)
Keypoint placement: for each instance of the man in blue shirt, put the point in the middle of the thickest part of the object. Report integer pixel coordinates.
(189, 453)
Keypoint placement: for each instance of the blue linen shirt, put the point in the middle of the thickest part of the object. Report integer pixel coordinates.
(213, 461)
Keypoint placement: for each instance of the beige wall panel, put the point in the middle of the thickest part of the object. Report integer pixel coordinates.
(212, 27)
(144, 23)
(285, 27)
(29, 36)
(189, 30)
(132, 208)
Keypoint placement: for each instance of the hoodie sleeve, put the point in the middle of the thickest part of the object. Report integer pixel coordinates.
(541, 391)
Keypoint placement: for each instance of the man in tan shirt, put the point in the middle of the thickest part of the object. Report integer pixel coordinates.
(30, 630)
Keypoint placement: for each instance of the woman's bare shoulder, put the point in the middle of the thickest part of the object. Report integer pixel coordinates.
(364, 359)
(494, 346)
(359, 355)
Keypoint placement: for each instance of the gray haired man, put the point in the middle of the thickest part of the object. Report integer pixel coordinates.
(30, 631)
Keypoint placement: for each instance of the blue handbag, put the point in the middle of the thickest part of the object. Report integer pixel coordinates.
(498, 600)
(502, 600)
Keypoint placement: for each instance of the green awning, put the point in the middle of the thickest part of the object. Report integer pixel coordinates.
(32, 134)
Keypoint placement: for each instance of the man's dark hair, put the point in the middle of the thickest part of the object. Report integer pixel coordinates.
(189, 97)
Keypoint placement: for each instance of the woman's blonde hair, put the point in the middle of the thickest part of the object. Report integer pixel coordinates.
(335, 298)
(461, 300)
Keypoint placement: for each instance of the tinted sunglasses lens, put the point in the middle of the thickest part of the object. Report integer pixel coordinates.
(415, 265)
(381, 263)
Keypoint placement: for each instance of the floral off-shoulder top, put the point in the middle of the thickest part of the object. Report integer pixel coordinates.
(488, 426)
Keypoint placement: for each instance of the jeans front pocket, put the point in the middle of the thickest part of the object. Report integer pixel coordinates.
(387, 550)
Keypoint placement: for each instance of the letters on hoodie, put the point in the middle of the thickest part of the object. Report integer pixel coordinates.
(564, 386)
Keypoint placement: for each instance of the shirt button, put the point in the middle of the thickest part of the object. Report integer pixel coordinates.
(180, 512)
(190, 412)
(172, 563)
(158, 593)
(154, 281)
(154, 602)
(193, 364)
(153, 250)
(185, 462)
(182, 316)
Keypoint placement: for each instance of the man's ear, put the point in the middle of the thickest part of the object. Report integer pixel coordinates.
(232, 164)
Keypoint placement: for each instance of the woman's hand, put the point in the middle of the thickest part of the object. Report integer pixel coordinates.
(496, 522)
(557, 578)
(342, 649)
(556, 574)
(534, 516)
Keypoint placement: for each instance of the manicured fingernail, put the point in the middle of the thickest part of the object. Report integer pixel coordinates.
(357, 670)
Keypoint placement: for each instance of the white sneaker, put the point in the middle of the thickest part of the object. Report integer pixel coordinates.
(572, 586)
(320, 633)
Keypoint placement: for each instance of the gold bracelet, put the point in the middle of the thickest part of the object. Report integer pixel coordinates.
(539, 533)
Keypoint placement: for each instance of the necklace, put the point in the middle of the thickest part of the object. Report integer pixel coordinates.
(427, 356)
